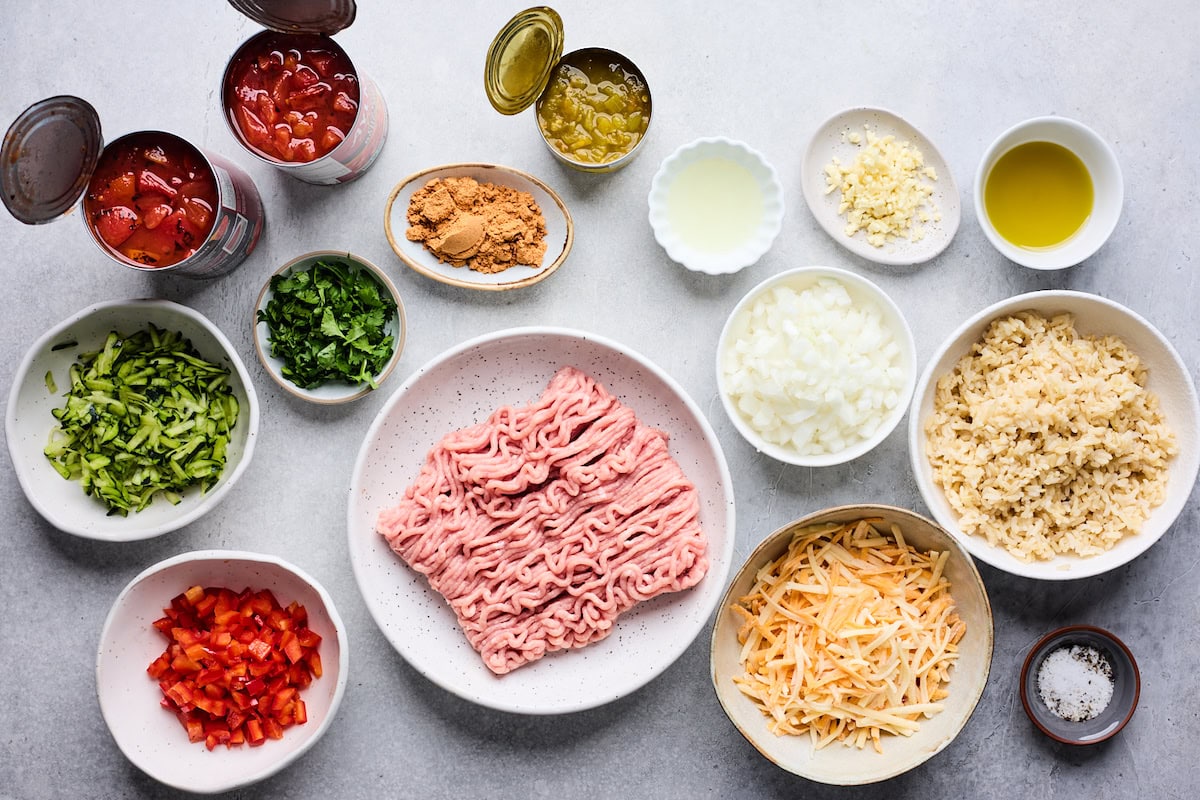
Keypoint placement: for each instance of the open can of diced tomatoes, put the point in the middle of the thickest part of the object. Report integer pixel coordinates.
(151, 200)
(293, 98)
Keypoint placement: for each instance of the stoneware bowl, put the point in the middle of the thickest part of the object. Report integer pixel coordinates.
(1126, 680)
(837, 763)
(152, 737)
(830, 141)
(1101, 163)
(860, 290)
(1167, 377)
(462, 387)
(676, 243)
(332, 392)
(560, 228)
(29, 421)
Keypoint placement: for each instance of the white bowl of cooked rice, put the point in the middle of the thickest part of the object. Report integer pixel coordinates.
(815, 366)
(1056, 434)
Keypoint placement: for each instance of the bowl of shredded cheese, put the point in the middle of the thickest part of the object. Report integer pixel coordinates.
(853, 644)
(815, 366)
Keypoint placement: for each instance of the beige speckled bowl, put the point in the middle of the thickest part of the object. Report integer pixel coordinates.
(839, 764)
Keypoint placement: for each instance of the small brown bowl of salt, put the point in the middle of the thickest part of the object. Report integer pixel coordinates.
(1080, 685)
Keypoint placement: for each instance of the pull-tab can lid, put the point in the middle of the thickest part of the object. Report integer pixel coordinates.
(48, 156)
(521, 59)
(299, 16)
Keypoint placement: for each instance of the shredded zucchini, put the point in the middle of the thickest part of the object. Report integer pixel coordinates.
(145, 414)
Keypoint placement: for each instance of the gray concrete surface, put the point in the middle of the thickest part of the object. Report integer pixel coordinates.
(766, 73)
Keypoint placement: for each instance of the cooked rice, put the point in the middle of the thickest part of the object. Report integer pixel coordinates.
(1046, 441)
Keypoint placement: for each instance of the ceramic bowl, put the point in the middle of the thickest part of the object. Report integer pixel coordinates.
(462, 387)
(679, 243)
(560, 228)
(1167, 377)
(847, 765)
(830, 141)
(28, 421)
(1109, 192)
(1126, 686)
(152, 737)
(860, 290)
(332, 392)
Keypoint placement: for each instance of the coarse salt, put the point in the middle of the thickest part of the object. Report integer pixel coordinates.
(1075, 682)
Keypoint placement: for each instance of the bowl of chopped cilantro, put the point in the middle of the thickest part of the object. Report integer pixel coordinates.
(130, 419)
(329, 327)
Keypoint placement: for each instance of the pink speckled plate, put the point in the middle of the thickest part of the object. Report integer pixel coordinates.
(462, 387)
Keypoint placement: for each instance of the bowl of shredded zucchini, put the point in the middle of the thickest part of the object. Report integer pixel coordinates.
(130, 419)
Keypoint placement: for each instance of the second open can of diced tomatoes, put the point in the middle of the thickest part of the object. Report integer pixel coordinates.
(293, 98)
(151, 200)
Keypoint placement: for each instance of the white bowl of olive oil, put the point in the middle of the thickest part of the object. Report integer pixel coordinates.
(1048, 193)
(716, 206)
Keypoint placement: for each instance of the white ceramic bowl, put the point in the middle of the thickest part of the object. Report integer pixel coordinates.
(332, 392)
(860, 290)
(560, 228)
(150, 736)
(1101, 163)
(836, 763)
(829, 142)
(676, 244)
(462, 387)
(28, 421)
(1167, 377)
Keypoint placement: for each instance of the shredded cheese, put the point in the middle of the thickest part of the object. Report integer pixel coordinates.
(884, 190)
(847, 635)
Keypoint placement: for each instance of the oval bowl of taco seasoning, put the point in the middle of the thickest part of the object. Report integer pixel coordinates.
(294, 99)
(1080, 685)
(593, 105)
(478, 226)
(151, 200)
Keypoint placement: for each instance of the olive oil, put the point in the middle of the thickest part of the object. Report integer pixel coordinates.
(1038, 195)
(715, 205)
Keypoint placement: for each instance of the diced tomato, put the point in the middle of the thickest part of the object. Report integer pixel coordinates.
(344, 103)
(253, 128)
(331, 138)
(305, 82)
(322, 61)
(120, 190)
(150, 183)
(302, 150)
(156, 215)
(115, 225)
(304, 77)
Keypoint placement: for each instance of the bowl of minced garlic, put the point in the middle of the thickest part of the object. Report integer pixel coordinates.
(1080, 685)
(853, 644)
(478, 225)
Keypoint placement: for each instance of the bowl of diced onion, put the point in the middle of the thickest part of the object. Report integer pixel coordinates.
(853, 644)
(816, 366)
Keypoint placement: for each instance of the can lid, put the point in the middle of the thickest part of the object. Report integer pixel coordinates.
(299, 16)
(48, 156)
(521, 58)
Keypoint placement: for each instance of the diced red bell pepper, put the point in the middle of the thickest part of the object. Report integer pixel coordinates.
(253, 128)
(152, 218)
(301, 713)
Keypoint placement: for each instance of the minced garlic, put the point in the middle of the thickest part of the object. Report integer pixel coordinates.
(885, 191)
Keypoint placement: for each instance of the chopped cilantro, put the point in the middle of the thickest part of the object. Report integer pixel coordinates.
(329, 323)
